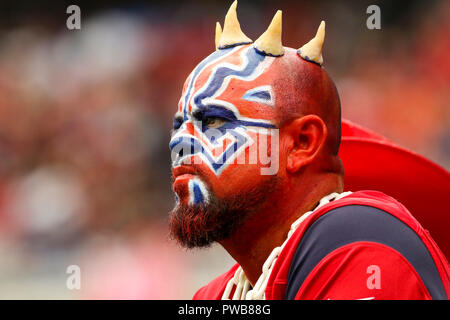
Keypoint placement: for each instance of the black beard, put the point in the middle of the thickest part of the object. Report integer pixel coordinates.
(200, 225)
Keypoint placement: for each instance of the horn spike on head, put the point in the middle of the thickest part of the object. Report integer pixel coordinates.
(269, 43)
(312, 51)
(232, 34)
(218, 34)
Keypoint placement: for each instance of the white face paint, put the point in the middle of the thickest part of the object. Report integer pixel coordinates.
(197, 192)
(214, 128)
(219, 148)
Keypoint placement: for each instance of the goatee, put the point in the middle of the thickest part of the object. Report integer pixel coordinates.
(200, 225)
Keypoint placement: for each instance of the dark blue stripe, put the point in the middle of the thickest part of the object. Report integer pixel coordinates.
(263, 94)
(190, 146)
(255, 124)
(217, 111)
(198, 196)
(353, 223)
(254, 59)
(213, 56)
(231, 121)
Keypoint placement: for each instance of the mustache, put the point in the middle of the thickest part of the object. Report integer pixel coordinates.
(200, 225)
(190, 169)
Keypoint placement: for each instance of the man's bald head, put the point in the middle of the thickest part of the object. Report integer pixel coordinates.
(304, 88)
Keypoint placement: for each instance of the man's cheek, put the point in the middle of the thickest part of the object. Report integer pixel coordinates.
(241, 170)
(263, 152)
(236, 180)
(269, 152)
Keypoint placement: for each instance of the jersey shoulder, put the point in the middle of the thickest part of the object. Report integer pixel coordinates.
(364, 227)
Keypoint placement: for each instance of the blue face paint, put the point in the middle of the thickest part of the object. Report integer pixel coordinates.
(185, 146)
(201, 139)
(229, 118)
(211, 58)
(198, 193)
(261, 94)
(216, 112)
(215, 82)
(198, 196)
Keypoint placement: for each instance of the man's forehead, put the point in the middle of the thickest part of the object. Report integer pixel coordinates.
(230, 75)
(239, 64)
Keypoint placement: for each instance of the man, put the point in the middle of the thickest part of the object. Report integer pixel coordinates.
(256, 168)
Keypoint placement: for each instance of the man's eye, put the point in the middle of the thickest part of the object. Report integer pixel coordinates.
(214, 122)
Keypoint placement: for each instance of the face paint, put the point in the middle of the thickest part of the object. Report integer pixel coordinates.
(197, 191)
(226, 108)
(263, 95)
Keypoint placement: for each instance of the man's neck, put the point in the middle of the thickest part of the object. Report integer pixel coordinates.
(253, 242)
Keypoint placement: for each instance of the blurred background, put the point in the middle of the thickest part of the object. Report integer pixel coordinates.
(85, 119)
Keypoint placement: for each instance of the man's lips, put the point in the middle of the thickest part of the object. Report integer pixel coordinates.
(183, 170)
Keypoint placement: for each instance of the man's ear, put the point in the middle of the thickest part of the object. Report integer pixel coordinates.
(307, 137)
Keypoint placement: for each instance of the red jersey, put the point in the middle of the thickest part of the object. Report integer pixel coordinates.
(366, 245)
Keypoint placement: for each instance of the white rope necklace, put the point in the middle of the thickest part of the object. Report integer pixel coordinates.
(242, 291)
